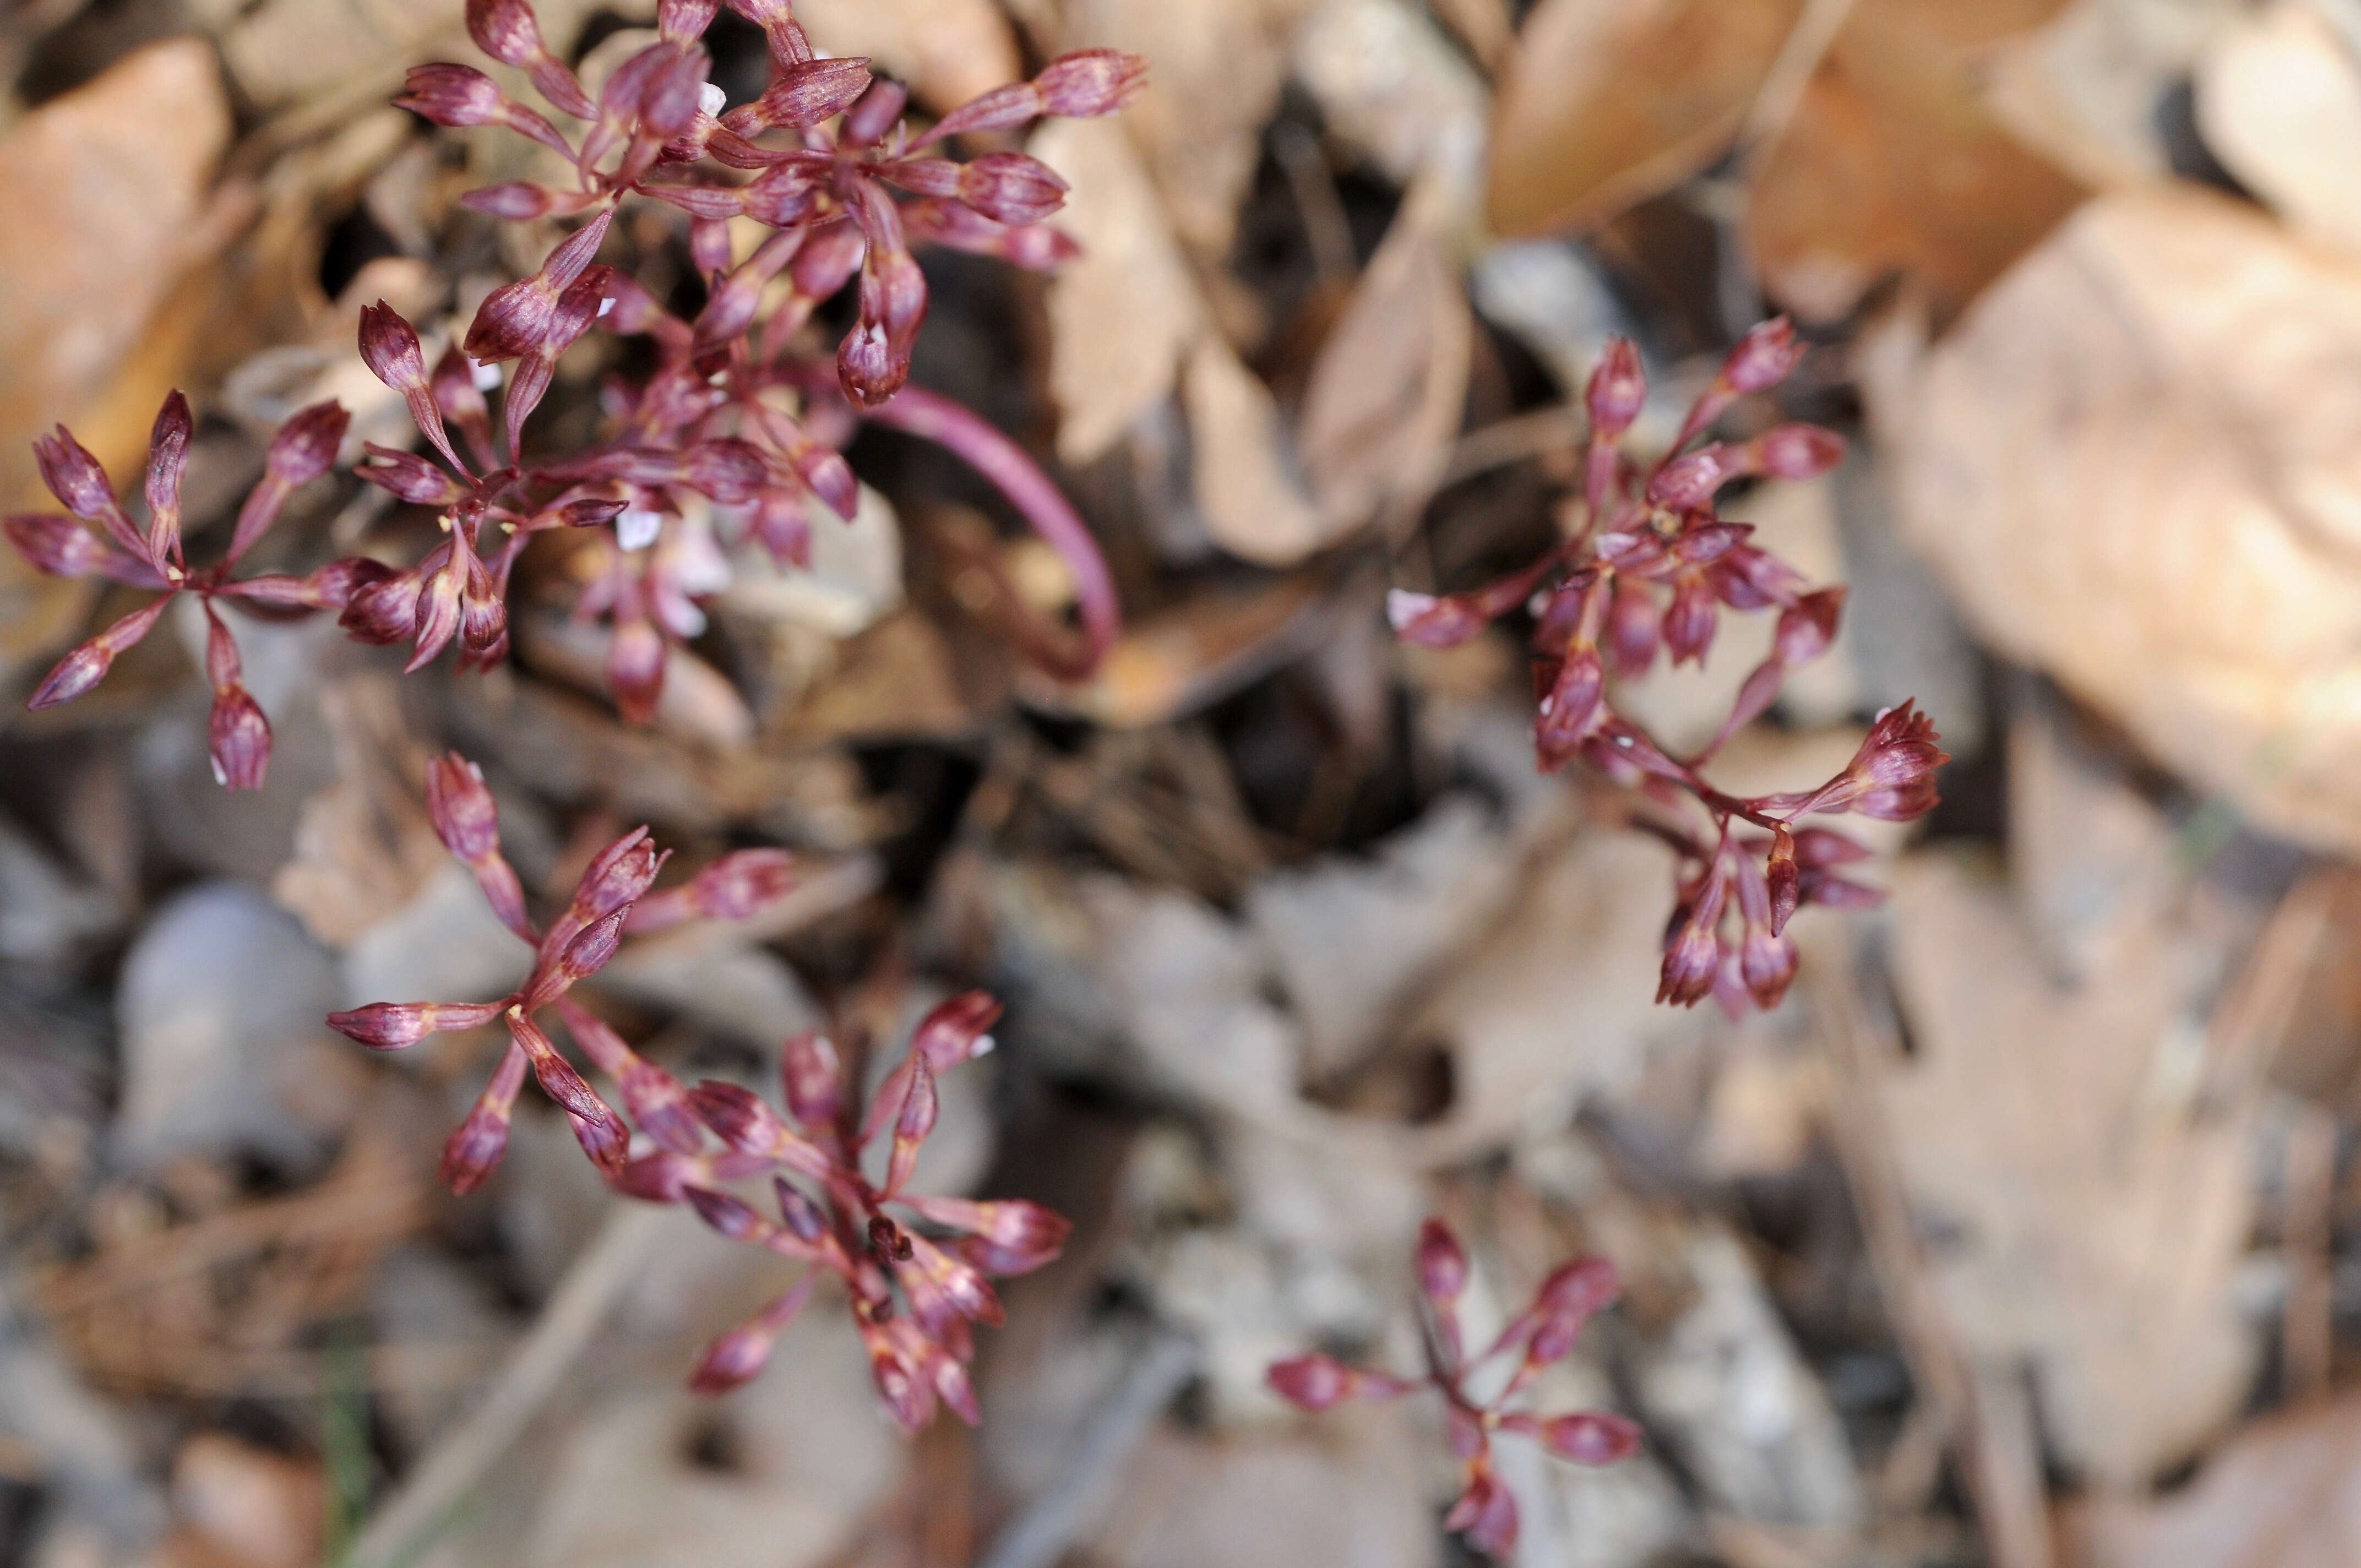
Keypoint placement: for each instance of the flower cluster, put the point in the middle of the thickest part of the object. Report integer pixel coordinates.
(731, 437)
(610, 898)
(733, 434)
(1476, 1391)
(302, 450)
(1645, 571)
(915, 1297)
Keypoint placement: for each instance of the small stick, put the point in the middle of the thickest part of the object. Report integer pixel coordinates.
(1040, 1535)
(572, 1313)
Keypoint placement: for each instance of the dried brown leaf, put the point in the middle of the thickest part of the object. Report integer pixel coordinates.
(1891, 164)
(2285, 1494)
(2186, 552)
(1606, 102)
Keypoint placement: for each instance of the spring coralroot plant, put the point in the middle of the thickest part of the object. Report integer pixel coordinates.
(1645, 570)
(1476, 1392)
(732, 435)
(913, 1296)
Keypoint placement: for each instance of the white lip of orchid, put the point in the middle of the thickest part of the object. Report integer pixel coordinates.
(711, 99)
(636, 527)
(486, 377)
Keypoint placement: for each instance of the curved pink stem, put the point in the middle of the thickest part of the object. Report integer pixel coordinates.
(960, 430)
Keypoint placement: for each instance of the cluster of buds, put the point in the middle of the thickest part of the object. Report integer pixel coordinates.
(914, 1295)
(735, 432)
(1644, 570)
(1476, 1390)
(153, 559)
(611, 899)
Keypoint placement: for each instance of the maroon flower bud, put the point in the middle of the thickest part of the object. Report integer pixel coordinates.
(956, 1031)
(516, 318)
(591, 950)
(660, 1178)
(1618, 391)
(813, 1078)
(557, 1074)
(168, 460)
(1580, 1289)
(389, 348)
(1570, 708)
(912, 1125)
(737, 1355)
(1692, 950)
(876, 113)
(384, 610)
(391, 1026)
(1819, 847)
(1586, 1437)
(409, 476)
(1018, 1236)
(87, 665)
(732, 1218)
(505, 30)
(1634, 628)
(460, 806)
(1009, 188)
(604, 1139)
(1782, 879)
(1486, 1513)
(74, 476)
(453, 95)
(518, 200)
(620, 874)
(1807, 627)
(1689, 483)
(1797, 451)
(305, 447)
(1767, 964)
(1442, 1263)
(737, 884)
(473, 1151)
(1090, 82)
(240, 739)
(1035, 247)
(1314, 1382)
(1433, 622)
(58, 545)
(1764, 357)
(1689, 624)
(746, 1124)
(803, 95)
(681, 21)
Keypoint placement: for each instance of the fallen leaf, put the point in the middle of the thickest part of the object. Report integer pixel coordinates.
(1606, 102)
(1124, 313)
(1216, 67)
(1887, 162)
(1242, 466)
(1386, 390)
(2185, 553)
(2279, 102)
(2086, 1212)
(1891, 164)
(2286, 1493)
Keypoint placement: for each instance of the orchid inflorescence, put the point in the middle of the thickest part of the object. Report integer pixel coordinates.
(1644, 569)
(732, 436)
(913, 1297)
(1476, 1391)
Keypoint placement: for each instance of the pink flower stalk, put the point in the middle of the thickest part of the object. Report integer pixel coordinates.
(915, 1267)
(575, 944)
(1646, 570)
(151, 558)
(1537, 1337)
(732, 425)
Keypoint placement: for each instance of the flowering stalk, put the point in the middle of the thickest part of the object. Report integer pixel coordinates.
(1541, 1334)
(152, 558)
(1645, 570)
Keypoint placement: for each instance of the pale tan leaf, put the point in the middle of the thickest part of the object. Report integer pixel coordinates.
(2092, 1213)
(1122, 314)
(1891, 164)
(1386, 390)
(2186, 552)
(1247, 491)
(1606, 102)
(2279, 102)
